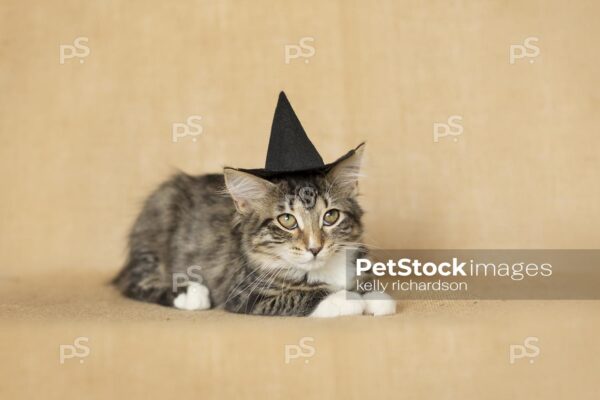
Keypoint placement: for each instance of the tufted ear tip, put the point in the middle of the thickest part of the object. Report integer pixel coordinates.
(345, 175)
(245, 189)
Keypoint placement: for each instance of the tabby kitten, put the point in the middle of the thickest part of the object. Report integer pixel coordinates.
(263, 247)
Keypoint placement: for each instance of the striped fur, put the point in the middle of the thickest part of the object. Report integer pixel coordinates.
(223, 232)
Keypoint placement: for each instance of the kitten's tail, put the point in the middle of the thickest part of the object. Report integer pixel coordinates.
(142, 279)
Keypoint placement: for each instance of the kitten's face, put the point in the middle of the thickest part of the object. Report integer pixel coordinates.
(299, 221)
(305, 223)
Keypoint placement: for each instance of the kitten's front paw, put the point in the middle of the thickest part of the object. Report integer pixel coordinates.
(338, 304)
(197, 297)
(377, 304)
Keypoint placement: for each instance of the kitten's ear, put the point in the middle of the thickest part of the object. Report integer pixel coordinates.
(247, 190)
(344, 176)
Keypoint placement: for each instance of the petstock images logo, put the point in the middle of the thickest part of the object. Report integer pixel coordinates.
(478, 274)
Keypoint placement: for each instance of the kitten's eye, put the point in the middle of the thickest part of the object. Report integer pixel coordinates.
(288, 221)
(331, 217)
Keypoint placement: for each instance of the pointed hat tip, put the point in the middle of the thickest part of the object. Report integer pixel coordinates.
(290, 149)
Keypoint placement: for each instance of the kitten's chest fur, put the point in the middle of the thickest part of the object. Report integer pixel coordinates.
(336, 272)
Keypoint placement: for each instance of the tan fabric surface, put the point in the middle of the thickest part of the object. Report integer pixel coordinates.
(82, 143)
(438, 350)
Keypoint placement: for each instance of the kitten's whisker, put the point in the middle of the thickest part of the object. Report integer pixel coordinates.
(246, 283)
(233, 290)
(251, 284)
(272, 275)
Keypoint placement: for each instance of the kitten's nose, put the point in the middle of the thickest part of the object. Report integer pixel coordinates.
(315, 250)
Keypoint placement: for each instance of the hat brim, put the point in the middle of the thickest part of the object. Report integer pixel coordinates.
(268, 174)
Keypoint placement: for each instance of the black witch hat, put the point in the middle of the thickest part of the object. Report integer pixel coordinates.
(290, 150)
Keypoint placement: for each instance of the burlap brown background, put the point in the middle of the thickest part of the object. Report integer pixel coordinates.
(82, 143)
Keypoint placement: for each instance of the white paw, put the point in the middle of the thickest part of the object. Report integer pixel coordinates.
(196, 298)
(378, 303)
(338, 304)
